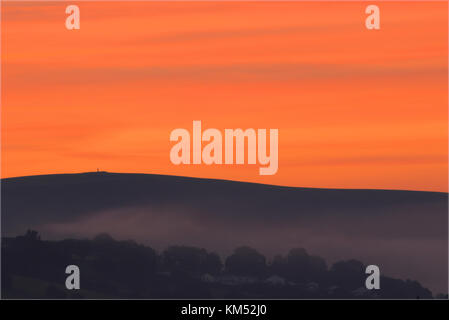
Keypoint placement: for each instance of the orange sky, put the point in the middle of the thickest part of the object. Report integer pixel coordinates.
(354, 108)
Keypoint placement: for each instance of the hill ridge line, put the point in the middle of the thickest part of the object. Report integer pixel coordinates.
(104, 173)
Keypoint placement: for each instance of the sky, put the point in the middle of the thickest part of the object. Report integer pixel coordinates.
(355, 108)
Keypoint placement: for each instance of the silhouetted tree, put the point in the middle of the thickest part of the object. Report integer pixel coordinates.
(32, 235)
(103, 237)
(246, 261)
(348, 274)
(400, 289)
(125, 269)
(278, 266)
(190, 260)
(301, 267)
(212, 264)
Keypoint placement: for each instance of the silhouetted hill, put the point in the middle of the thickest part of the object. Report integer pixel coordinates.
(65, 197)
(403, 231)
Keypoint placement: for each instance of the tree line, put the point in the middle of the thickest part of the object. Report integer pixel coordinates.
(34, 268)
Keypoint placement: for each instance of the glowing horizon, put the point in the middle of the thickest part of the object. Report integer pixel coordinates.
(355, 109)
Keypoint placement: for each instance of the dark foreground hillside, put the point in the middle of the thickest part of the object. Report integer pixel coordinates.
(34, 268)
(403, 232)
